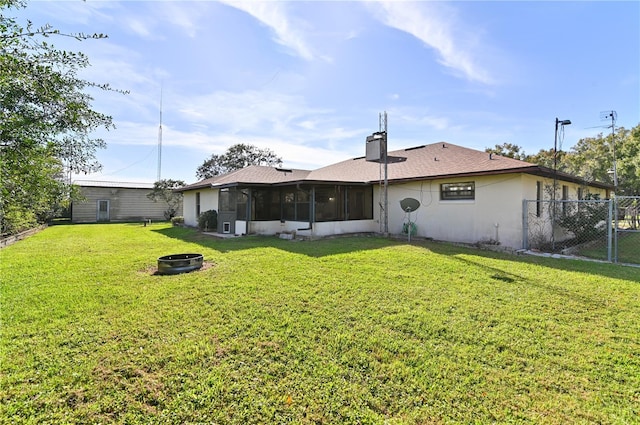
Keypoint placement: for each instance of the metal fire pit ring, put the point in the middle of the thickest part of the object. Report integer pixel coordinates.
(179, 263)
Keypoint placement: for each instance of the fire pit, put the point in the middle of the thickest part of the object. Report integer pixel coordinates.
(179, 263)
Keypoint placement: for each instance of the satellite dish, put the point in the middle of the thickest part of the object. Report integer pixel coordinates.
(409, 204)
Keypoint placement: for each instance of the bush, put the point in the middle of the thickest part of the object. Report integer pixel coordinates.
(586, 220)
(16, 220)
(208, 221)
(169, 213)
(178, 220)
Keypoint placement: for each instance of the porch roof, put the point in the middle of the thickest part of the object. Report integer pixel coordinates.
(254, 175)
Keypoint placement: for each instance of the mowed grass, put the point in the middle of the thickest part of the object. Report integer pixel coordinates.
(346, 330)
(628, 249)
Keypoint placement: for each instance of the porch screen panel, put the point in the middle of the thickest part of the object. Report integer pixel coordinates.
(289, 204)
(302, 205)
(241, 205)
(359, 203)
(265, 204)
(329, 203)
(227, 200)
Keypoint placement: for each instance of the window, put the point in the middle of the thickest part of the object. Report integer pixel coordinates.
(197, 204)
(580, 193)
(565, 197)
(457, 191)
(538, 199)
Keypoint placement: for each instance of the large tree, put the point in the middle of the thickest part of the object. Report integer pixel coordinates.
(236, 157)
(592, 158)
(46, 120)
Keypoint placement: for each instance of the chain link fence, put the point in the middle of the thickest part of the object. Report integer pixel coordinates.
(626, 235)
(602, 229)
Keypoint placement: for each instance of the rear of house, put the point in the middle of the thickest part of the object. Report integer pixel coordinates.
(116, 201)
(465, 196)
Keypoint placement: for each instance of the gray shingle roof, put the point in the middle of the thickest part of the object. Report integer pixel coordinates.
(254, 175)
(436, 160)
(422, 162)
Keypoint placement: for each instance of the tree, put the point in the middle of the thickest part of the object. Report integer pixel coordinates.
(628, 162)
(45, 121)
(237, 156)
(544, 158)
(163, 190)
(509, 150)
(592, 159)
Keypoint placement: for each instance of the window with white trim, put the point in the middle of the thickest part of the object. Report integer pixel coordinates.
(457, 191)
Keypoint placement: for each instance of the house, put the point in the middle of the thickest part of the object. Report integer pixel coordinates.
(116, 201)
(465, 196)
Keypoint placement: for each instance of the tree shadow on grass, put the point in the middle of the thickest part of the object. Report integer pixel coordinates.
(631, 274)
(346, 244)
(501, 276)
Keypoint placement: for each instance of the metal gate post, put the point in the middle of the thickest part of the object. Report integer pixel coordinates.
(525, 224)
(610, 225)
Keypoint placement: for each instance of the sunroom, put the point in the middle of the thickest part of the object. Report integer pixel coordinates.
(307, 209)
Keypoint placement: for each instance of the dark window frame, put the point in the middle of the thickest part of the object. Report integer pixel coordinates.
(458, 191)
(538, 198)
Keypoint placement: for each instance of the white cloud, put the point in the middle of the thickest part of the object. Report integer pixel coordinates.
(248, 111)
(184, 17)
(435, 26)
(274, 16)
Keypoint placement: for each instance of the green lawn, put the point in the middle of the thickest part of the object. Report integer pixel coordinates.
(628, 249)
(346, 330)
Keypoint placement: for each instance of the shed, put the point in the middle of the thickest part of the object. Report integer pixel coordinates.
(116, 201)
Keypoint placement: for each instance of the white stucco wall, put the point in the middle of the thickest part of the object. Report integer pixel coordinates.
(208, 201)
(494, 214)
(317, 230)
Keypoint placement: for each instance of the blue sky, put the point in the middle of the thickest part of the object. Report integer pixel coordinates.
(308, 79)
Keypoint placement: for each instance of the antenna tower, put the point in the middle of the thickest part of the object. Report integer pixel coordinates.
(160, 140)
(613, 116)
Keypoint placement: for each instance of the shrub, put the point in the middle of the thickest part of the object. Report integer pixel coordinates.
(178, 220)
(586, 220)
(169, 213)
(208, 220)
(16, 219)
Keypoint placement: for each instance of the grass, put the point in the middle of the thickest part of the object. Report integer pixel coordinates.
(628, 249)
(346, 330)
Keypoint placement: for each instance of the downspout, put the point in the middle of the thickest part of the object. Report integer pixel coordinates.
(312, 207)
